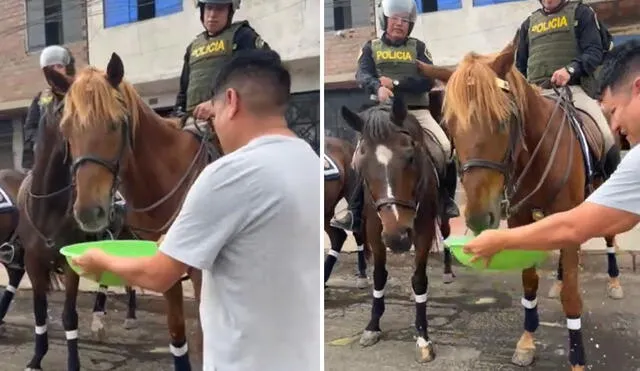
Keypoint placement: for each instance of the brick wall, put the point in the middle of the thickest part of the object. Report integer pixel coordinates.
(20, 71)
(341, 49)
(619, 12)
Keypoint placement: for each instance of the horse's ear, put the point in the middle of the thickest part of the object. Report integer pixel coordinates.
(429, 70)
(115, 70)
(398, 110)
(506, 58)
(58, 81)
(352, 119)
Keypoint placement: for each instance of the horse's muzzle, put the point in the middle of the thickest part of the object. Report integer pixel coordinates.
(398, 242)
(92, 219)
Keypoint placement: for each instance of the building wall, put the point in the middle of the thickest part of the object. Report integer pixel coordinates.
(19, 68)
(153, 49)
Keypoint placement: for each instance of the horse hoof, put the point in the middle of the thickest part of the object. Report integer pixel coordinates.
(424, 351)
(362, 282)
(32, 369)
(614, 292)
(448, 278)
(130, 323)
(523, 357)
(369, 338)
(556, 288)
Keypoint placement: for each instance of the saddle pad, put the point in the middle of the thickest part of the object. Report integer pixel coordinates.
(331, 170)
(595, 138)
(118, 199)
(5, 201)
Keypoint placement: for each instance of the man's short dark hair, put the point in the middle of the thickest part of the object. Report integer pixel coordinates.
(621, 64)
(262, 81)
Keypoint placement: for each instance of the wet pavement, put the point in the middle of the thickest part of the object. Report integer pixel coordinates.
(476, 321)
(145, 348)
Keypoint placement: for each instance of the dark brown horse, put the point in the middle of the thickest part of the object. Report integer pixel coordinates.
(401, 204)
(45, 224)
(517, 145)
(118, 142)
(340, 152)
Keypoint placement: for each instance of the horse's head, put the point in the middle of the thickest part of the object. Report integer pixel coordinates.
(98, 118)
(484, 100)
(391, 160)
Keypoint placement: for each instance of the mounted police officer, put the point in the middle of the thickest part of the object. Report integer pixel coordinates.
(562, 43)
(208, 52)
(61, 60)
(390, 61)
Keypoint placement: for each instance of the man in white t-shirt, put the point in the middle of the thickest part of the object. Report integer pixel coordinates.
(614, 207)
(251, 223)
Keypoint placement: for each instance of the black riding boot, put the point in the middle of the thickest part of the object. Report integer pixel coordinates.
(611, 161)
(448, 191)
(352, 219)
(11, 256)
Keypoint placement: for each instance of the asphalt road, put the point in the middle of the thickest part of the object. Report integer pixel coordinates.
(145, 348)
(476, 321)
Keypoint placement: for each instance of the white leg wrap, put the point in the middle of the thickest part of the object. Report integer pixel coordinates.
(421, 298)
(529, 304)
(40, 330)
(360, 248)
(11, 289)
(179, 352)
(611, 250)
(378, 294)
(71, 335)
(574, 323)
(334, 253)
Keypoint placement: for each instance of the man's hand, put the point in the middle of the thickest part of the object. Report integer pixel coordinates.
(386, 82)
(384, 94)
(92, 262)
(486, 245)
(561, 77)
(203, 111)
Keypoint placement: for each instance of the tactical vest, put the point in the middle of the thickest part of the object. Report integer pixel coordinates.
(207, 56)
(397, 63)
(552, 42)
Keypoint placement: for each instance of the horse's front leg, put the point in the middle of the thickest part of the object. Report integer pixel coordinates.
(526, 348)
(39, 280)
(556, 287)
(70, 319)
(98, 330)
(131, 322)
(614, 288)
(445, 230)
(572, 305)
(337, 237)
(15, 277)
(372, 332)
(362, 280)
(175, 319)
(420, 284)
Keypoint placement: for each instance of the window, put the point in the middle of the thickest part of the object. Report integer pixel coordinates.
(118, 12)
(429, 6)
(343, 14)
(492, 2)
(51, 22)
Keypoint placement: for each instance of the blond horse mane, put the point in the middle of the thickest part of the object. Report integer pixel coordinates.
(92, 103)
(473, 96)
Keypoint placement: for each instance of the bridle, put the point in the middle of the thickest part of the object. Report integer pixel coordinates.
(507, 166)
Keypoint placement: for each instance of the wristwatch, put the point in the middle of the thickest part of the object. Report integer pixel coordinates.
(571, 70)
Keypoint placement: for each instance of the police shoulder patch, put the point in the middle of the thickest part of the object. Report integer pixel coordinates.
(427, 54)
(259, 42)
(45, 97)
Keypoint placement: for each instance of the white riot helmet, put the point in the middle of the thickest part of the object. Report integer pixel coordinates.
(397, 8)
(55, 54)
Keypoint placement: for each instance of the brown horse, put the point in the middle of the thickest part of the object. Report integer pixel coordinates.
(45, 224)
(118, 142)
(336, 187)
(516, 144)
(401, 204)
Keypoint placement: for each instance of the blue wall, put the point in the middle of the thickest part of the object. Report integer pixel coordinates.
(118, 12)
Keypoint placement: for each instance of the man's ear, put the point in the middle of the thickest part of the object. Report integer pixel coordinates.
(232, 101)
(635, 87)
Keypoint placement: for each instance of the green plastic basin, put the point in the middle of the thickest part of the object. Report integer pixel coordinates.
(120, 248)
(504, 260)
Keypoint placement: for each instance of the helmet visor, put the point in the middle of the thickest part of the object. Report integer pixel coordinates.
(401, 9)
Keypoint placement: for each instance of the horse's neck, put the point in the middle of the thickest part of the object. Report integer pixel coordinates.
(49, 176)
(161, 157)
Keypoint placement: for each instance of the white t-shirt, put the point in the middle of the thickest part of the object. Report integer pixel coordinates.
(251, 223)
(622, 190)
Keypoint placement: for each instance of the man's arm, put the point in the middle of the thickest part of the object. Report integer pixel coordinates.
(366, 75)
(589, 43)
(181, 99)
(418, 84)
(248, 38)
(32, 121)
(522, 54)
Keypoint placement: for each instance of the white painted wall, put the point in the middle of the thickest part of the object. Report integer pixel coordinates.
(153, 49)
(451, 34)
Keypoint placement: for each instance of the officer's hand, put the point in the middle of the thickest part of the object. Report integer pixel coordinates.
(384, 94)
(561, 77)
(203, 111)
(386, 82)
